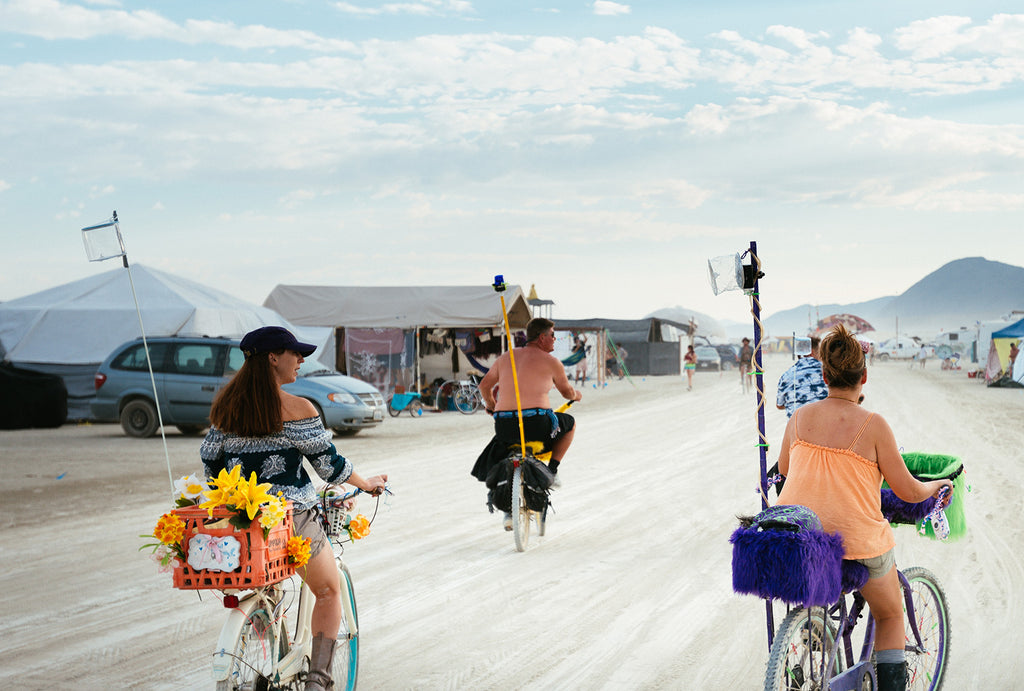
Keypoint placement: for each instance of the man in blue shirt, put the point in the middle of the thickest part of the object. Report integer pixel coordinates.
(802, 383)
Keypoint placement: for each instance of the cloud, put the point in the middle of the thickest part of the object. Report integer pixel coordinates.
(55, 20)
(610, 9)
(421, 8)
(935, 37)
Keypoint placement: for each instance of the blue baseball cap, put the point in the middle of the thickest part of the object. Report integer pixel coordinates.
(269, 339)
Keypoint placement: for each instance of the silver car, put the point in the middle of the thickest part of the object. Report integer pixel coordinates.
(189, 372)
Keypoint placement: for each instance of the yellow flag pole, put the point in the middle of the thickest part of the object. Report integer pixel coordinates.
(499, 287)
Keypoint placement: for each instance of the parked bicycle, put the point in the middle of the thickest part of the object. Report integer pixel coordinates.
(464, 395)
(266, 641)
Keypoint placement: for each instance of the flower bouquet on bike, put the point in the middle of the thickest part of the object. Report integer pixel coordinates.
(227, 533)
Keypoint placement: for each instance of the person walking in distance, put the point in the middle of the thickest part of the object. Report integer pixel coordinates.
(746, 365)
(690, 365)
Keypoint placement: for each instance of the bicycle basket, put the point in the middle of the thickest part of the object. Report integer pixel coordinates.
(262, 560)
(927, 466)
(783, 555)
(336, 519)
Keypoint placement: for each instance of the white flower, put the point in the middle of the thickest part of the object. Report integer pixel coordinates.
(189, 487)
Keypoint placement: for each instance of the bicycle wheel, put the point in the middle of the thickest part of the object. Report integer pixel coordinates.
(804, 638)
(346, 651)
(254, 656)
(520, 513)
(415, 407)
(464, 401)
(926, 669)
(392, 410)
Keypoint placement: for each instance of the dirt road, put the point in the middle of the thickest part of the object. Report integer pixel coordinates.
(629, 589)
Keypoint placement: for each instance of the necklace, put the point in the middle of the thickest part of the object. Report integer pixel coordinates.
(840, 398)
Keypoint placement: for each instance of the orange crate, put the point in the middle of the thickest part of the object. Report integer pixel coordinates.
(261, 561)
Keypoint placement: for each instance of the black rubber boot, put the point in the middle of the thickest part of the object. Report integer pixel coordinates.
(892, 676)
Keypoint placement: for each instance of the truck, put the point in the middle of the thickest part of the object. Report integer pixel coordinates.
(902, 348)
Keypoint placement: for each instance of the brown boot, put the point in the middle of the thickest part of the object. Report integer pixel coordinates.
(320, 663)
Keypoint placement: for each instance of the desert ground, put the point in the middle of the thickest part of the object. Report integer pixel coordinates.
(629, 589)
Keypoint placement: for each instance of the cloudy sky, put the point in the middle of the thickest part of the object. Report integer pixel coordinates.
(600, 150)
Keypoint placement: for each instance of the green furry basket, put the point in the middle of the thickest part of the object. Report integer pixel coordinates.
(933, 466)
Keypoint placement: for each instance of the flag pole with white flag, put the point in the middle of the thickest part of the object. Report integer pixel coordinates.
(103, 241)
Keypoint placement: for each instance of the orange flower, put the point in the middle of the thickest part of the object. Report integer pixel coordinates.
(169, 529)
(358, 527)
(298, 550)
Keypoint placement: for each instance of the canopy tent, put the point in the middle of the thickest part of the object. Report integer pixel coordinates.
(401, 307)
(407, 336)
(70, 329)
(999, 371)
(652, 343)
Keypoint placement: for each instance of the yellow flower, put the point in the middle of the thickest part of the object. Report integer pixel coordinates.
(223, 489)
(169, 529)
(358, 527)
(272, 512)
(249, 495)
(298, 550)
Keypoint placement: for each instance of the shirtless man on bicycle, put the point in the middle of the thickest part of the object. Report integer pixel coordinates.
(538, 372)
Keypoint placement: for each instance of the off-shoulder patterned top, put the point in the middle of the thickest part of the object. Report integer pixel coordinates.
(277, 458)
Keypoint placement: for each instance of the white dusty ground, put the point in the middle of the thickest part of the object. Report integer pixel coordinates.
(630, 588)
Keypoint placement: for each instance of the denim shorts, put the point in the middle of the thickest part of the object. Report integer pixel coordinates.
(306, 522)
(880, 565)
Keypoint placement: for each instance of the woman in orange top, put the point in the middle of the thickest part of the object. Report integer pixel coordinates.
(834, 456)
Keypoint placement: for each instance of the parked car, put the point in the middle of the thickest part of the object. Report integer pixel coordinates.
(708, 358)
(730, 356)
(188, 373)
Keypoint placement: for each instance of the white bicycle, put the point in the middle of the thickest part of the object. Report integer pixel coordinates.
(265, 643)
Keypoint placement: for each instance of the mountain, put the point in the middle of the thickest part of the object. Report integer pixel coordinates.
(957, 294)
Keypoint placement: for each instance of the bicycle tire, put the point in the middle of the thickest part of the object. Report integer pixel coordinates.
(254, 654)
(520, 512)
(464, 401)
(926, 671)
(415, 407)
(345, 666)
(792, 663)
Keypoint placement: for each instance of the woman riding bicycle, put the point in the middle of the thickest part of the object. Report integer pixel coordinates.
(268, 431)
(834, 456)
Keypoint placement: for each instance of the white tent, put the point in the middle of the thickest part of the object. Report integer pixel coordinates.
(70, 329)
(406, 313)
(398, 307)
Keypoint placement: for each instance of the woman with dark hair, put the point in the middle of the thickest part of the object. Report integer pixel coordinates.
(268, 431)
(690, 365)
(834, 456)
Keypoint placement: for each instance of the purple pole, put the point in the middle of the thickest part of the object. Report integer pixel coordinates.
(762, 442)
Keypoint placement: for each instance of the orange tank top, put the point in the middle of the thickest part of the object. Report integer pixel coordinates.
(844, 489)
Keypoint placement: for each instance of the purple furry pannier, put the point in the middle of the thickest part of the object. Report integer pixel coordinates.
(785, 555)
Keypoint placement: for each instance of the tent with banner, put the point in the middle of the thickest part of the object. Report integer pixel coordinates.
(405, 336)
(70, 329)
(1000, 370)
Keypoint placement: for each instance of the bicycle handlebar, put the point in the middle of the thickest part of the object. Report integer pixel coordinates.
(338, 501)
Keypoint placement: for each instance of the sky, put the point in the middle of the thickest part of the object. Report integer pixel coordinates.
(600, 151)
